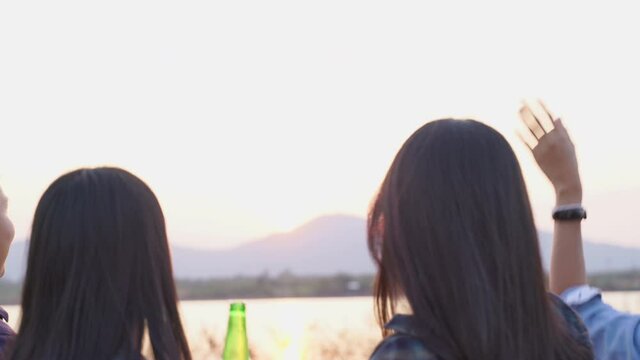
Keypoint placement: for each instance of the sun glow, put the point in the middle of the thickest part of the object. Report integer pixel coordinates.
(291, 339)
(241, 134)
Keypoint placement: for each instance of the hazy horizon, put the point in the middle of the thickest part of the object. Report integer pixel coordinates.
(326, 246)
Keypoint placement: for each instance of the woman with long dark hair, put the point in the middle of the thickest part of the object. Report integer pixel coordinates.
(453, 236)
(99, 277)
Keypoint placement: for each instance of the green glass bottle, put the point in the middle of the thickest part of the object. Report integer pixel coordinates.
(236, 346)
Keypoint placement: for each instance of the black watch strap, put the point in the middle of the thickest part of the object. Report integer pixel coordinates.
(569, 212)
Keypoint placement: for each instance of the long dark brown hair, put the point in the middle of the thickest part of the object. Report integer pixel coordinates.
(452, 232)
(99, 273)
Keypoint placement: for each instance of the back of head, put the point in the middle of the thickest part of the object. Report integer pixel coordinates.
(99, 273)
(452, 232)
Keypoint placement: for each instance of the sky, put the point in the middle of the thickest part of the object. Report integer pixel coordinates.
(252, 117)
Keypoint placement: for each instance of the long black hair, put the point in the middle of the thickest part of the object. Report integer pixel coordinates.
(452, 232)
(99, 273)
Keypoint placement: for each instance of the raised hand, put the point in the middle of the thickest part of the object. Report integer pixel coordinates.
(553, 150)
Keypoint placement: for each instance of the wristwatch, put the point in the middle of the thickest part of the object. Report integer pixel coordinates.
(569, 212)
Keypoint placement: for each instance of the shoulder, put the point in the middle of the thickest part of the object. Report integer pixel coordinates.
(574, 323)
(568, 314)
(6, 333)
(402, 346)
(405, 343)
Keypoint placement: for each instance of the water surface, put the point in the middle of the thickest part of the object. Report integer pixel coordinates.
(309, 328)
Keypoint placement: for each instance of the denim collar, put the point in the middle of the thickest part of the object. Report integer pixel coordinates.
(409, 325)
(405, 324)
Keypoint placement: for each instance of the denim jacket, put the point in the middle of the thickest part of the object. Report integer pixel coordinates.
(404, 344)
(615, 334)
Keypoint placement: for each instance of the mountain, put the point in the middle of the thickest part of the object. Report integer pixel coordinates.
(599, 257)
(324, 246)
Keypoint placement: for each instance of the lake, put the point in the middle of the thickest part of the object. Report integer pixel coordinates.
(313, 328)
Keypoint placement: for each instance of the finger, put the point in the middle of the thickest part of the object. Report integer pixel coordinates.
(537, 114)
(529, 120)
(527, 136)
(527, 142)
(560, 127)
(548, 114)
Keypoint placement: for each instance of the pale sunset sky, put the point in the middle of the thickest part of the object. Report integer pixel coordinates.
(252, 117)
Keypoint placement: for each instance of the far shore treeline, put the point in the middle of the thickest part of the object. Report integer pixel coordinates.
(285, 284)
(288, 284)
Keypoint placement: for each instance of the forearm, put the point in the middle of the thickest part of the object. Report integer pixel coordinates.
(567, 257)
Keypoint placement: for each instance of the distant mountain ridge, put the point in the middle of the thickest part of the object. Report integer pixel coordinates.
(323, 246)
(326, 245)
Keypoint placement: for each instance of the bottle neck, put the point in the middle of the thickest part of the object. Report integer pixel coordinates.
(236, 344)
